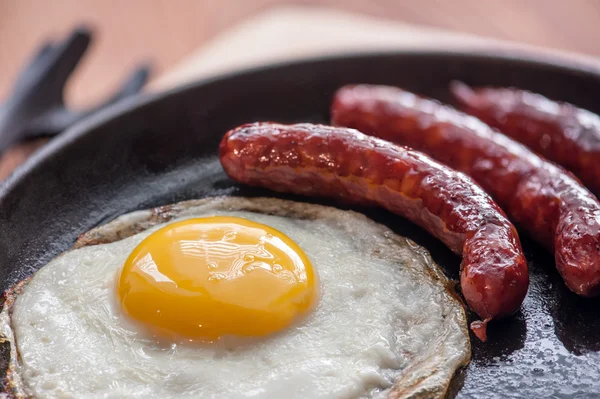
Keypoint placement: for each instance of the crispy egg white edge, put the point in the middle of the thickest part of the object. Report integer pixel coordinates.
(419, 380)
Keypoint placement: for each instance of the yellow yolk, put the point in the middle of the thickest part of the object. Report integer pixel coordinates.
(209, 277)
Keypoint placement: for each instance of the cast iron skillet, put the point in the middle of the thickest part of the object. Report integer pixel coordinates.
(159, 150)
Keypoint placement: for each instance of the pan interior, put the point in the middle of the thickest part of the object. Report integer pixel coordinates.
(164, 151)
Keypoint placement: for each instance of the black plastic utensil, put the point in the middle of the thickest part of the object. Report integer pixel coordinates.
(36, 106)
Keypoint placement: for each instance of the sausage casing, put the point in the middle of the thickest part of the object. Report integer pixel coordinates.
(347, 165)
(543, 198)
(561, 132)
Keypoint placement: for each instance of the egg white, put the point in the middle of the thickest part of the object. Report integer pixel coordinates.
(385, 324)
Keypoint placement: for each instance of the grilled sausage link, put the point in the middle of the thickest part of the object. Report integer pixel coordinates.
(561, 132)
(540, 196)
(347, 165)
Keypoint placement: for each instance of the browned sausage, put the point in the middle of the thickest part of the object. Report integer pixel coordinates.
(561, 132)
(542, 197)
(348, 165)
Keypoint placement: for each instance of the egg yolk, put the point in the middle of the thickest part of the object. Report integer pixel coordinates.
(205, 278)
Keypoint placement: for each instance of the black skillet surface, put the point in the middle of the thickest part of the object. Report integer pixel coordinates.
(163, 149)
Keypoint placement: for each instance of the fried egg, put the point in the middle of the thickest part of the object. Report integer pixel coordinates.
(236, 298)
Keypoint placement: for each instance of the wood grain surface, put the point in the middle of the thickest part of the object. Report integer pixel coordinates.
(165, 31)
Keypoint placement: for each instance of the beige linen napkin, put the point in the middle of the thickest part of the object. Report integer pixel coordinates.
(289, 33)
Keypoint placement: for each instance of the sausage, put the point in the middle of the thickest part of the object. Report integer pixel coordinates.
(538, 195)
(347, 165)
(561, 132)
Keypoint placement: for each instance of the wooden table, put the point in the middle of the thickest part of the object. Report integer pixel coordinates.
(165, 31)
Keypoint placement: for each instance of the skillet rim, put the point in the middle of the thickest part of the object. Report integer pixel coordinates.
(560, 63)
